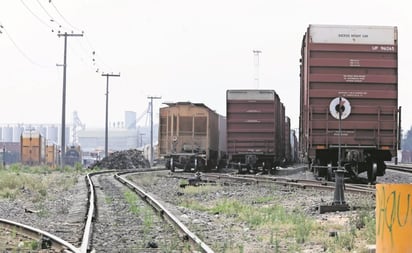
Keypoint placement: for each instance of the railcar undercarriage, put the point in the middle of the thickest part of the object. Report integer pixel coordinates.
(353, 161)
(190, 162)
(252, 163)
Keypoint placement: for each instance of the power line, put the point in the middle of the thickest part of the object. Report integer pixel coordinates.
(48, 14)
(61, 15)
(97, 56)
(3, 29)
(95, 60)
(36, 16)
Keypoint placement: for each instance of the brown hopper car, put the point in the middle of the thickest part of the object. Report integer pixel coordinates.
(189, 136)
(349, 99)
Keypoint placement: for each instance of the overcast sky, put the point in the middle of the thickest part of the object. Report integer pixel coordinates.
(181, 50)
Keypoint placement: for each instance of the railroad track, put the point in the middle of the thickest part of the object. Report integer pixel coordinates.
(44, 239)
(264, 179)
(91, 220)
(403, 168)
(187, 235)
(104, 192)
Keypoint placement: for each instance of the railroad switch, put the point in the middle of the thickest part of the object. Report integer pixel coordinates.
(196, 179)
(339, 203)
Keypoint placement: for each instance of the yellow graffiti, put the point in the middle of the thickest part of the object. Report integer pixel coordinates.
(393, 217)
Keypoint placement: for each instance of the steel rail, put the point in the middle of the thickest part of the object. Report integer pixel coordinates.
(87, 234)
(402, 168)
(32, 232)
(300, 183)
(165, 213)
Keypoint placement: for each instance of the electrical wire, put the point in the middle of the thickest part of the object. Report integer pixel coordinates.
(50, 16)
(61, 15)
(95, 59)
(36, 16)
(3, 29)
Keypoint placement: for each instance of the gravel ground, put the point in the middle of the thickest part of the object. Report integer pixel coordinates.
(61, 211)
(226, 234)
(123, 226)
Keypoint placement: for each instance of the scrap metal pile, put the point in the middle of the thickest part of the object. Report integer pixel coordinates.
(123, 160)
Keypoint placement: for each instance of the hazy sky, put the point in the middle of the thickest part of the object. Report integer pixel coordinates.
(181, 50)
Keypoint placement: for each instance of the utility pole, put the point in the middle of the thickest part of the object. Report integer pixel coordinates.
(63, 141)
(141, 139)
(4, 156)
(151, 127)
(256, 60)
(106, 134)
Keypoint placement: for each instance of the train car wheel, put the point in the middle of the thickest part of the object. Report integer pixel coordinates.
(316, 171)
(372, 173)
(172, 166)
(329, 174)
(272, 170)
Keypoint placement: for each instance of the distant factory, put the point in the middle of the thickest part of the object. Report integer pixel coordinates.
(122, 135)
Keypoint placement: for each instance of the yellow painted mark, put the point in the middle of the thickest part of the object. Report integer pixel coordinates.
(393, 218)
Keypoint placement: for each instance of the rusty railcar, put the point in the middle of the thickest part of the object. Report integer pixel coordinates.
(349, 99)
(52, 154)
(32, 146)
(189, 136)
(255, 130)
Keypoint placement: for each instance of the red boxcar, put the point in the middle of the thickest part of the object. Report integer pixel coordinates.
(255, 130)
(349, 98)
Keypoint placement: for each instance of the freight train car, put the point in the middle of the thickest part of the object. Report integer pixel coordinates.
(189, 136)
(255, 130)
(349, 99)
(52, 154)
(10, 152)
(32, 145)
(73, 156)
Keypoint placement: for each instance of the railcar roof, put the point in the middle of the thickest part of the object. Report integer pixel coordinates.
(187, 103)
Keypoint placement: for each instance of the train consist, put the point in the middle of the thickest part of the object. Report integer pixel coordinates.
(255, 135)
(257, 139)
(189, 136)
(35, 151)
(349, 99)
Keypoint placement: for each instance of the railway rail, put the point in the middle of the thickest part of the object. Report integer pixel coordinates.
(45, 239)
(403, 167)
(86, 236)
(184, 233)
(301, 183)
(165, 213)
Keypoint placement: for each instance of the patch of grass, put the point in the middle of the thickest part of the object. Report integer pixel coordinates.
(271, 217)
(34, 245)
(201, 189)
(131, 198)
(108, 200)
(33, 182)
